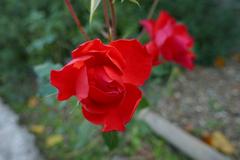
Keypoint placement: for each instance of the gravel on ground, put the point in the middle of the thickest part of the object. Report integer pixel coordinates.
(206, 99)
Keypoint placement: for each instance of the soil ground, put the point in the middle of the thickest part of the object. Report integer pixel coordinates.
(205, 100)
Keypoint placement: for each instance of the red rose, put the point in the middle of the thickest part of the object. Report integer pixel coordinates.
(105, 79)
(169, 40)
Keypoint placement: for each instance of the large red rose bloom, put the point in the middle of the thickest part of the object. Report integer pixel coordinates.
(169, 40)
(105, 79)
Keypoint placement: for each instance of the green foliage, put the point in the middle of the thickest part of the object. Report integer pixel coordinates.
(111, 139)
(43, 72)
(33, 32)
(143, 103)
(162, 72)
(93, 7)
(135, 1)
(86, 132)
(82, 140)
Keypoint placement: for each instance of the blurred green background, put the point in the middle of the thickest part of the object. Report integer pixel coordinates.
(43, 32)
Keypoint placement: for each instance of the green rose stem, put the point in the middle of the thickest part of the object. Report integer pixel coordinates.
(150, 14)
(107, 19)
(77, 21)
(114, 20)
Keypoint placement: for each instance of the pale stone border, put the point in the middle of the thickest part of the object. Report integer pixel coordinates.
(16, 143)
(180, 139)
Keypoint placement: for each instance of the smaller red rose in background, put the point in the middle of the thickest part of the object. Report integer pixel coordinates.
(105, 79)
(169, 40)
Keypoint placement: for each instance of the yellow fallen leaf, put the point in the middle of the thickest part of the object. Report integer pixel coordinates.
(219, 62)
(206, 137)
(54, 140)
(220, 142)
(32, 102)
(38, 129)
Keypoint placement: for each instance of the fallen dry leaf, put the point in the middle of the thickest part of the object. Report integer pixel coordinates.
(219, 62)
(220, 142)
(37, 129)
(32, 102)
(54, 140)
(206, 137)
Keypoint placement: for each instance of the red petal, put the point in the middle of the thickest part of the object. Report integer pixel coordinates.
(182, 33)
(176, 51)
(138, 61)
(188, 62)
(130, 103)
(90, 46)
(117, 116)
(164, 19)
(163, 34)
(154, 51)
(95, 118)
(82, 86)
(71, 80)
(96, 108)
(110, 120)
(149, 26)
(116, 58)
(65, 81)
(120, 116)
(113, 122)
(104, 54)
(104, 97)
